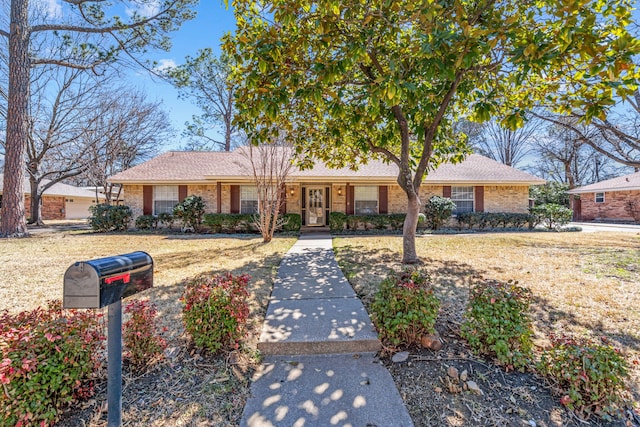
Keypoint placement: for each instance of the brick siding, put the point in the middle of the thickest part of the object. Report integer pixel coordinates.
(496, 198)
(52, 207)
(613, 208)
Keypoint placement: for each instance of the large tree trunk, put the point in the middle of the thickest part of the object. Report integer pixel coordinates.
(36, 214)
(409, 254)
(13, 223)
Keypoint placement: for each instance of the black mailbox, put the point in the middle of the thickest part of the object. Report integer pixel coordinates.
(100, 282)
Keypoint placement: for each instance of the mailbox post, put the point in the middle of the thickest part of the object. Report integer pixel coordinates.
(104, 282)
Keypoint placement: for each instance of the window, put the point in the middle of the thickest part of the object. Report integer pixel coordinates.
(165, 197)
(365, 200)
(463, 198)
(248, 199)
(599, 197)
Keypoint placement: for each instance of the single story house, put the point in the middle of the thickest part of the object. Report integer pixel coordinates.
(60, 201)
(609, 200)
(225, 182)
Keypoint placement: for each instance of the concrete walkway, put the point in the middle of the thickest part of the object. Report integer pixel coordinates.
(319, 344)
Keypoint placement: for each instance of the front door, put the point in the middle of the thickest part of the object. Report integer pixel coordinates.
(315, 206)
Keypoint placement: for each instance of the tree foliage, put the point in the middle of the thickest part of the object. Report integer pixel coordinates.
(354, 80)
(203, 79)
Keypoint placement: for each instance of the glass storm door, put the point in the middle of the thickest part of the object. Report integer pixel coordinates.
(315, 206)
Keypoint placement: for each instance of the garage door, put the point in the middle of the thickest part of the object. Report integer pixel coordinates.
(77, 208)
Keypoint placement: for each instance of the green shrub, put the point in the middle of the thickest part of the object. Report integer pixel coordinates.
(497, 323)
(438, 210)
(146, 222)
(292, 222)
(551, 215)
(405, 308)
(190, 211)
(166, 220)
(337, 221)
(589, 376)
(481, 220)
(105, 217)
(230, 223)
(47, 360)
(142, 344)
(216, 310)
(551, 192)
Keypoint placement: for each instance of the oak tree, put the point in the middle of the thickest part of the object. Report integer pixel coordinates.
(352, 80)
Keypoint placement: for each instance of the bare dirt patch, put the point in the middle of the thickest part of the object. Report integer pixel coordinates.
(580, 284)
(187, 388)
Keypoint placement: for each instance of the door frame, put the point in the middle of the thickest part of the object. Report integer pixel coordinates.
(308, 201)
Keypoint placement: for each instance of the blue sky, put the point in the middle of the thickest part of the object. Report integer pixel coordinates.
(211, 23)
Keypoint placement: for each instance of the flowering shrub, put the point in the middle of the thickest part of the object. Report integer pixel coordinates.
(497, 323)
(589, 376)
(47, 358)
(141, 342)
(405, 308)
(216, 310)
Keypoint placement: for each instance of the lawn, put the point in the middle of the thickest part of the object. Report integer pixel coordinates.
(188, 388)
(582, 283)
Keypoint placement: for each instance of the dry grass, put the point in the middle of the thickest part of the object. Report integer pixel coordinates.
(584, 283)
(187, 389)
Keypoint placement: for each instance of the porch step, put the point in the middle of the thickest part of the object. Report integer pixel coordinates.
(317, 326)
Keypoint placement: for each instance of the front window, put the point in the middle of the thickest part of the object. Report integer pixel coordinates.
(365, 200)
(599, 197)
(165, 197)
(463, 198)
(248, 199)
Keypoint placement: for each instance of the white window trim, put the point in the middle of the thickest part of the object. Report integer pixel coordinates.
(245, 198)
(472, 199)
(595, 197)
(356, 199)
(156, 196)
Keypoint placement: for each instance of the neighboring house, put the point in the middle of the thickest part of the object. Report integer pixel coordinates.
(224, 181)
(60, 201)
(608, 200)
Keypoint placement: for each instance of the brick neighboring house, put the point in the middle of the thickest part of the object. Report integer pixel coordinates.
(608, 200)
(225, 182)
(60, 201)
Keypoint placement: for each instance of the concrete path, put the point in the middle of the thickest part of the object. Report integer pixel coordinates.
(320, 367)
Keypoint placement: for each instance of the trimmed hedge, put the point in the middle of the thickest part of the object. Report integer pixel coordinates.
(482, 220)
(339, 222)
(244, 223)
(105, 217)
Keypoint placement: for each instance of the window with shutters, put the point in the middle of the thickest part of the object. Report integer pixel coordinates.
(249, 199)
(165, 197)
(365, 200)
(463, 198)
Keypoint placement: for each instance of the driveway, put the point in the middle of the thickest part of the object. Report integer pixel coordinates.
(592, 227)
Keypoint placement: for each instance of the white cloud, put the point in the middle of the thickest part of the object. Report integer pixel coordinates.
(165, 64)
(52, 8)
(143, 8)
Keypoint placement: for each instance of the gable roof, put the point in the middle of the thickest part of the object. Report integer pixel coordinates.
(621, 183)
(57, 189)
(205, 167)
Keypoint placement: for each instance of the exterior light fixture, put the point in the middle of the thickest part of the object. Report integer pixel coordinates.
(291, 191)
(339, 191)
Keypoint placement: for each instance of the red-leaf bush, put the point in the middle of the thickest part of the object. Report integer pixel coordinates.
(497, 323)
(589, 376)
(405, 308)
(47, 359)
(142, 344)
(216, 310)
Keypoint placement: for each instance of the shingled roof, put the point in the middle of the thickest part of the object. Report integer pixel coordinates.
(202, 167)
(621, 183)
(57, 189)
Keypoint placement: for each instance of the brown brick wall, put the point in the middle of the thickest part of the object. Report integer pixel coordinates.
(613, 208)
(133, 198)
(209, 194)
(52, 207)
(506, 198)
